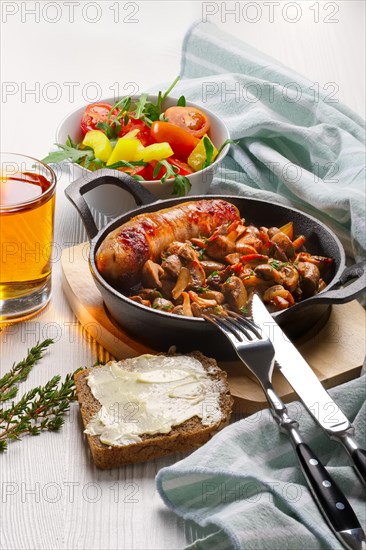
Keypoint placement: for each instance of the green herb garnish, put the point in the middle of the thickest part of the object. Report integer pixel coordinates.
(68, 153)
(171, 170)
(149, 112)
(181, 101)
(275, 264)
(202, 289)
(227, 142)
(181, 186)
(140, 106)
(126, 164)
(209, 149)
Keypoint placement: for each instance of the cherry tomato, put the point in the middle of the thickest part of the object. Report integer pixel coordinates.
(184, 169)
(144, 134)
(190, 119)
(181, 141)
(94, 113)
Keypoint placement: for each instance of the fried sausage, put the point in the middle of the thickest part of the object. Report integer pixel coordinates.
(125, 250)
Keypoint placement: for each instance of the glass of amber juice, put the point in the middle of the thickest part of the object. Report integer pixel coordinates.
(27, 204)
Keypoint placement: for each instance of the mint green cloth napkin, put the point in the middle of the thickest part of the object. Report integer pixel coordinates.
(245, 490)
(297, 146)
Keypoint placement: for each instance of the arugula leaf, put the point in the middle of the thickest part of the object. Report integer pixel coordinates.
(226, 142)
(140, 106)
(111, 131)
(173, 84)
(55, 157)
(68, 152)
(104, 127)
(125, 164)
(93, 164)
(182, 186)
(171, 171)
(181, 101)
(123, 105)
(152, 111)
(71, 143)
(209, 148)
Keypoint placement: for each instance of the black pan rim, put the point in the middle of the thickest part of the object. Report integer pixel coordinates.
(160, 204)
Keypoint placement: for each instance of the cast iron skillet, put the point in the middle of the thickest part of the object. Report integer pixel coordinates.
(161, 330)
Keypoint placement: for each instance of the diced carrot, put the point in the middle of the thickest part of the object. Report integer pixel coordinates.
(298, 242)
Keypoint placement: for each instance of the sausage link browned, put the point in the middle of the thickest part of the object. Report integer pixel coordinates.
(125, 250)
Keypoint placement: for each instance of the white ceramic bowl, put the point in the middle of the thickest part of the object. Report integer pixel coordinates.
(112, 201)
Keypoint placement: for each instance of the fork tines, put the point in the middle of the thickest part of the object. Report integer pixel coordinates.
(241, 327)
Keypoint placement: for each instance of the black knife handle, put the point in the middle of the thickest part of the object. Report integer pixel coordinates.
(332, 502)
(359, 459)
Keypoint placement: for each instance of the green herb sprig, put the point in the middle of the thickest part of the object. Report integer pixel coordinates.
(40, 409)
(20, 371)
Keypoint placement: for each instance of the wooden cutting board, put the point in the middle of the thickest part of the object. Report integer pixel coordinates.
(335, 353)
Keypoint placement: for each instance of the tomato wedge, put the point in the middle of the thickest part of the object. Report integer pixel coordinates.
(94, 113)
(191, 119)
(144, 134)
(184, 169)
(181, 141)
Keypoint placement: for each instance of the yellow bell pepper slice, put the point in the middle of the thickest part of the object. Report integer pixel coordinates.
(156, 151)
(125, 149)
(197, 158)
(130, 134)
(100, 144)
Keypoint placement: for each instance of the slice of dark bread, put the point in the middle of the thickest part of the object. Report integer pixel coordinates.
(186, 437)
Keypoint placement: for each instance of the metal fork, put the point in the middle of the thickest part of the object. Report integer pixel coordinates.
(257, 352)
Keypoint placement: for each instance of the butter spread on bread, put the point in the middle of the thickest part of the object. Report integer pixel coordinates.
(150, 395)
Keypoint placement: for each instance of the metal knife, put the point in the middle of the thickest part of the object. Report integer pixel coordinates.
(310, 390)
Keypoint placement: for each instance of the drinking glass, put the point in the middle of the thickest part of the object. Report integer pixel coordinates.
(27, 204)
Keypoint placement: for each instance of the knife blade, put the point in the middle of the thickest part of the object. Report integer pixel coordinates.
(303, 380)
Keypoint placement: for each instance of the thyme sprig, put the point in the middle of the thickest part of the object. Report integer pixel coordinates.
(20, 371)
(40, 409)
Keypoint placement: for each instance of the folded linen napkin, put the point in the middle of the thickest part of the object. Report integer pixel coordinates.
(297, 146)
(245, 490)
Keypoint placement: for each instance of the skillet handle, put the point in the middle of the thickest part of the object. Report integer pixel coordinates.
(75, 191)
(339, 293)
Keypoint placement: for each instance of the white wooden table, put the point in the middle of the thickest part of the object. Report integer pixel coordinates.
(51, 495)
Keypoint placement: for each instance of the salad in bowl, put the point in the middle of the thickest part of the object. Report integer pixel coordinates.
(170, 145)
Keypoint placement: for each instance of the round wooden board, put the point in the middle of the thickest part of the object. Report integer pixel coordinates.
(335, 353)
